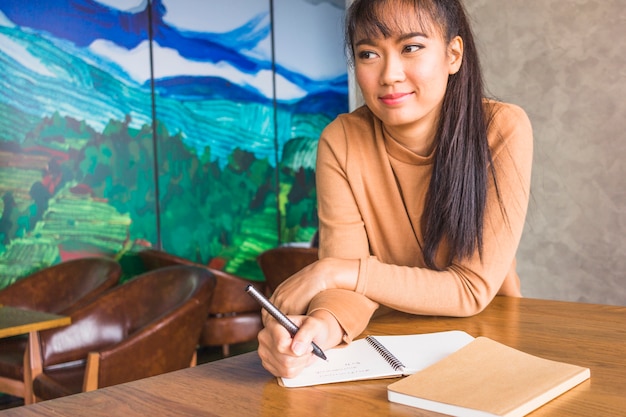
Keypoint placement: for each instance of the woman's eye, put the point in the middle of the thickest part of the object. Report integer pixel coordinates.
(366, 55)
(412, 48)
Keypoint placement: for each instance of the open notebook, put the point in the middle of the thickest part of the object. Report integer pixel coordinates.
(380, 357)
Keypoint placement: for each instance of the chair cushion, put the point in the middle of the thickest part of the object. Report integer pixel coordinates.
(227, 330)
(59, 382)
(87, 333)
(12, 357)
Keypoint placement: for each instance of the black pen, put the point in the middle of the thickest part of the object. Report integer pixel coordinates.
(280, 317)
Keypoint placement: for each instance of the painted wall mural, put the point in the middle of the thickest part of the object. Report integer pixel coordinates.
(188, 125)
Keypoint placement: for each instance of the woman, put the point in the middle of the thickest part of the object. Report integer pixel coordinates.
(422, 192)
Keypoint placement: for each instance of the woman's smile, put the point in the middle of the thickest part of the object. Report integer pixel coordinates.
(395, 98)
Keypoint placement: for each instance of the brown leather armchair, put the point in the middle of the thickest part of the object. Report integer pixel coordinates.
(57, 289)
(280, 263)
(144, 327)
(233, 316)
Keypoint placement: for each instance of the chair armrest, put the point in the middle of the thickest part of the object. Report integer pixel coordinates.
(162, 346)
(74, 342)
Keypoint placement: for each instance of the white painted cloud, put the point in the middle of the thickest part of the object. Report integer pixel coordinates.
(134, 62)
(262, 51)
(169, 63)
(213, 16)
(129, 6)
(208, 16)
(20, 54)
(336, 3)
(309, 38)
(4, 21)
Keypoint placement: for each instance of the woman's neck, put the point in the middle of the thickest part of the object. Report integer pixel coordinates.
(418, 140)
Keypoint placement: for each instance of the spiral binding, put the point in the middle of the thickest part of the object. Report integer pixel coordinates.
(388, 356)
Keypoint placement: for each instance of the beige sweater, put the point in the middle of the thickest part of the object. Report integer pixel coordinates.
(371, 193)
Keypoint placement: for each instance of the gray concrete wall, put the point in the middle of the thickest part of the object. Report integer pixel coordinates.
(564, 62)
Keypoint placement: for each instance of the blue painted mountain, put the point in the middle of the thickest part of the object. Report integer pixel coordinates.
(101, 30)
(43, 75)
(193, 88)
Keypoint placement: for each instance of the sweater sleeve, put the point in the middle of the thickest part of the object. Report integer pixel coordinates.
(468, 286)
(351, 310)
(342, 232)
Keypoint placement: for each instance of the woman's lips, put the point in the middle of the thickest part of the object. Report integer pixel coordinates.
(395, 98)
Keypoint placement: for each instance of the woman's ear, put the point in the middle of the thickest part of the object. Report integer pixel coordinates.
(455, 54)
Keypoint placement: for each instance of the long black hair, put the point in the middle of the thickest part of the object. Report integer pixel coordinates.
(455, 203)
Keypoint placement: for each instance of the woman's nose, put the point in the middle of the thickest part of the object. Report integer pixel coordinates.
(392, 71)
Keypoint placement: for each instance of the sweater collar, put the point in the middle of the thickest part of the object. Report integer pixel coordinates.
(398, 151)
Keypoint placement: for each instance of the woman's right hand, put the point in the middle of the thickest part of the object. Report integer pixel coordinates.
(285, 356)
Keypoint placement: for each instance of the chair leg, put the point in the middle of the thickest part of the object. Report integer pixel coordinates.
(225, 350)
(32, 366)
(90, 381)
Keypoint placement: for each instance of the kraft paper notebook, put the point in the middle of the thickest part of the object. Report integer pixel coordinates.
(380, 357)
(486, 378)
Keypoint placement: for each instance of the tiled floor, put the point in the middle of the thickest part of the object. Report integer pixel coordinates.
(206, 354)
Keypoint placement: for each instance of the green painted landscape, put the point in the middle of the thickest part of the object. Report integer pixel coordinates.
(70, 191)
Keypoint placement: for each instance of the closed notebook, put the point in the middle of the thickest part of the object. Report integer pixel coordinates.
(486, 378)
(380, 357)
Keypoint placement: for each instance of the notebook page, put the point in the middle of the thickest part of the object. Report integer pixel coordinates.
(418, 351)
(359, 360)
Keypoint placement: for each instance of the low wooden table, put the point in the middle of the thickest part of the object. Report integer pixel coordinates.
(589, 335)
(15, 321)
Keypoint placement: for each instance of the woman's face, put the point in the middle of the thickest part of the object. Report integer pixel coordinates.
(403, 79)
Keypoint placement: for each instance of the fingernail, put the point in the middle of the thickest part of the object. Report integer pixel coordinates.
(298, 348)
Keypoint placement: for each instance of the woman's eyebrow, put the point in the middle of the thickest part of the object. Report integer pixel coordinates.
(365, 41)
(402, 37)
(406, 36)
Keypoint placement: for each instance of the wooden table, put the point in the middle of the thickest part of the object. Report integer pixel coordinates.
(584, 334)
(15, 321)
